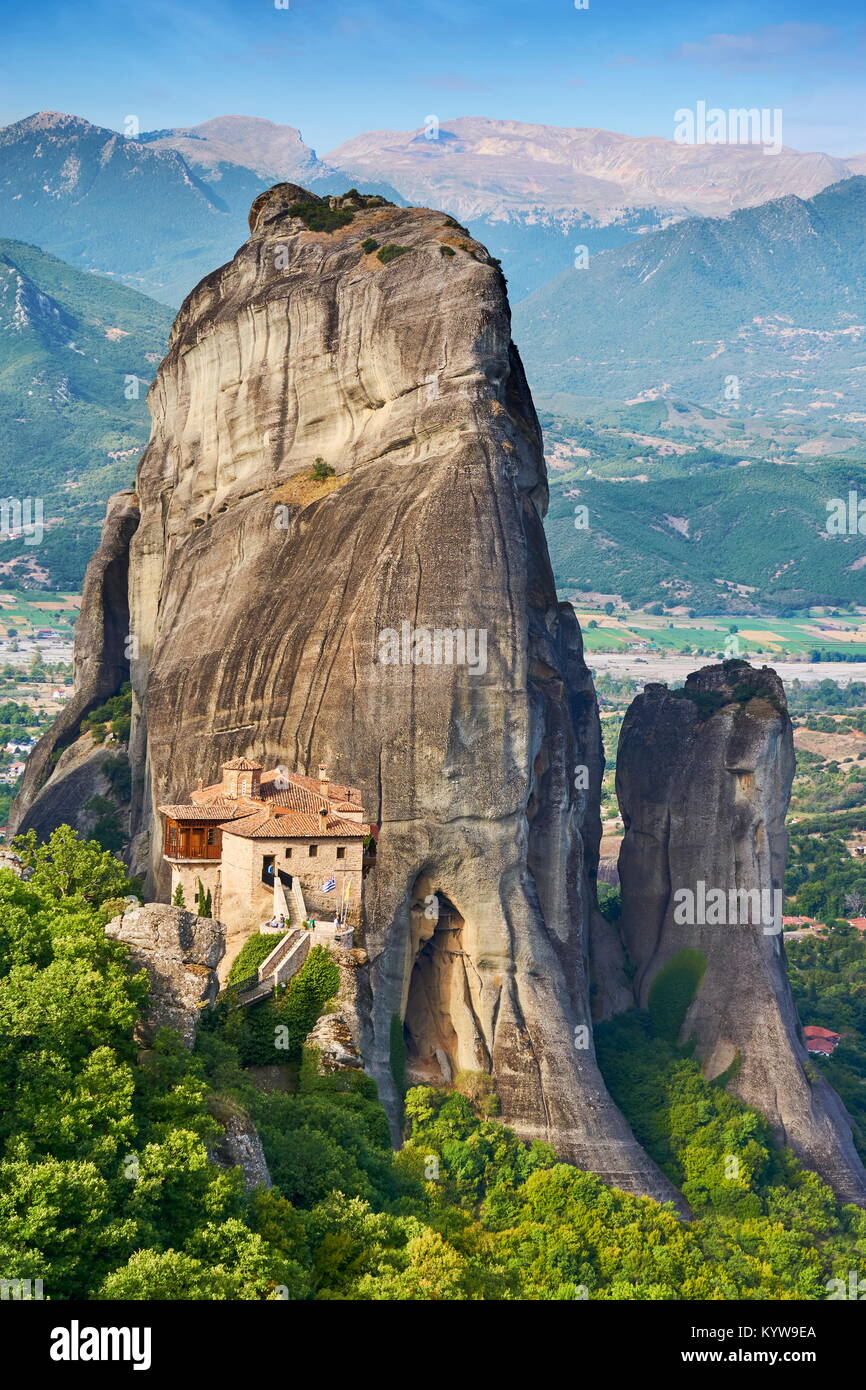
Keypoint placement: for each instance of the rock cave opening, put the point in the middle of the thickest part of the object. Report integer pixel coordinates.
(441, 1028)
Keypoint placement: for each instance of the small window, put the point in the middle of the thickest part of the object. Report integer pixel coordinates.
(314, 850)
(341, 851)
(289, 852)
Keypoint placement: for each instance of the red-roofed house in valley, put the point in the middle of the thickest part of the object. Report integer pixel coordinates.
(821, 1042)
(796, 927)
(270, 844)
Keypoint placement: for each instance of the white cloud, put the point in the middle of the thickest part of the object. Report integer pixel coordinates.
(759, 46)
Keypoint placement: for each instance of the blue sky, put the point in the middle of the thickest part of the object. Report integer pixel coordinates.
(335, 68)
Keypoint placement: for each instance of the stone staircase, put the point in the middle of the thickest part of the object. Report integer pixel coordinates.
(284, 961)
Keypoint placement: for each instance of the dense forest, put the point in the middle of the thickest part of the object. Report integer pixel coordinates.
(108, 1188)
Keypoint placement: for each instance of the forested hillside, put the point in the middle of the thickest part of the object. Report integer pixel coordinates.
(108, 1188)
(77, 354)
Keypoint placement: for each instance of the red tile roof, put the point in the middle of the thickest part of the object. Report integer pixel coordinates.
(821, 1045)
(213, 811)
(813, 1031)
(242, 765)
(301, 793)
(294, 825)
(292, 810)
(292, 798)
(335, 790)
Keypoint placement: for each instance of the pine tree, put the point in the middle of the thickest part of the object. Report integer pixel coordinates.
(178, 900)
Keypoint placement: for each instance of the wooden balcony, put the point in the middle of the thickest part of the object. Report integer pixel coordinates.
(186, 840)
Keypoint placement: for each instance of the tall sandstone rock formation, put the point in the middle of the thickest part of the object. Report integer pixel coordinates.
(258, 601)
(703, 780)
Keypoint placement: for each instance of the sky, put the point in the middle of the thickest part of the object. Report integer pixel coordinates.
(335, 69)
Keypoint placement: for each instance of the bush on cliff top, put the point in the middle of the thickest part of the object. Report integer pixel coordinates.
(319, 217)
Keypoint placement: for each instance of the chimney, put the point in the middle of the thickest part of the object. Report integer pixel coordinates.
(323, 816)
(323, 779)
(200, 785)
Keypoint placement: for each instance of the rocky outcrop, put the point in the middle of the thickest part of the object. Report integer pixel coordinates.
(15, 864)
(339, 1035)
(332, 1037)
(296, 621)
(78, 776)
(180, 953)
(101, 665)
(703, 780)
(240, 1145)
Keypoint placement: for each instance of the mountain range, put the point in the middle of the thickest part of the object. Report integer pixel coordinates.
(161, 210)
(764, 310)
(140, 210)
(493, 169)
(77, 353)
(769, 297)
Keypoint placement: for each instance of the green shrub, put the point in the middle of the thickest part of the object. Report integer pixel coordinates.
(116, 711)
(390, 252)
(321, 471)
(369, 244)
(203, 904)
(479, 1089)
(609, 902)
(319, 217)
(254, 950)
(707, 702)
(294, 1009)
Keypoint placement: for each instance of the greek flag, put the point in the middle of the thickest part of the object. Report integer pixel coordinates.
(329, 885)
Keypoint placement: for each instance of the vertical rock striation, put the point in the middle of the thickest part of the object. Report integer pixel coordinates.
(703, 779)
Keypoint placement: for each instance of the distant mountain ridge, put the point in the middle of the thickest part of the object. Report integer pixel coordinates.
(273, 152)
(77, 354)
(160, 211)
(499, 168)
(764, 310)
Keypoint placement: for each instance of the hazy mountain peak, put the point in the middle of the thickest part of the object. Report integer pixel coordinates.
(269, 149)
(481, 166)
(50, 123)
